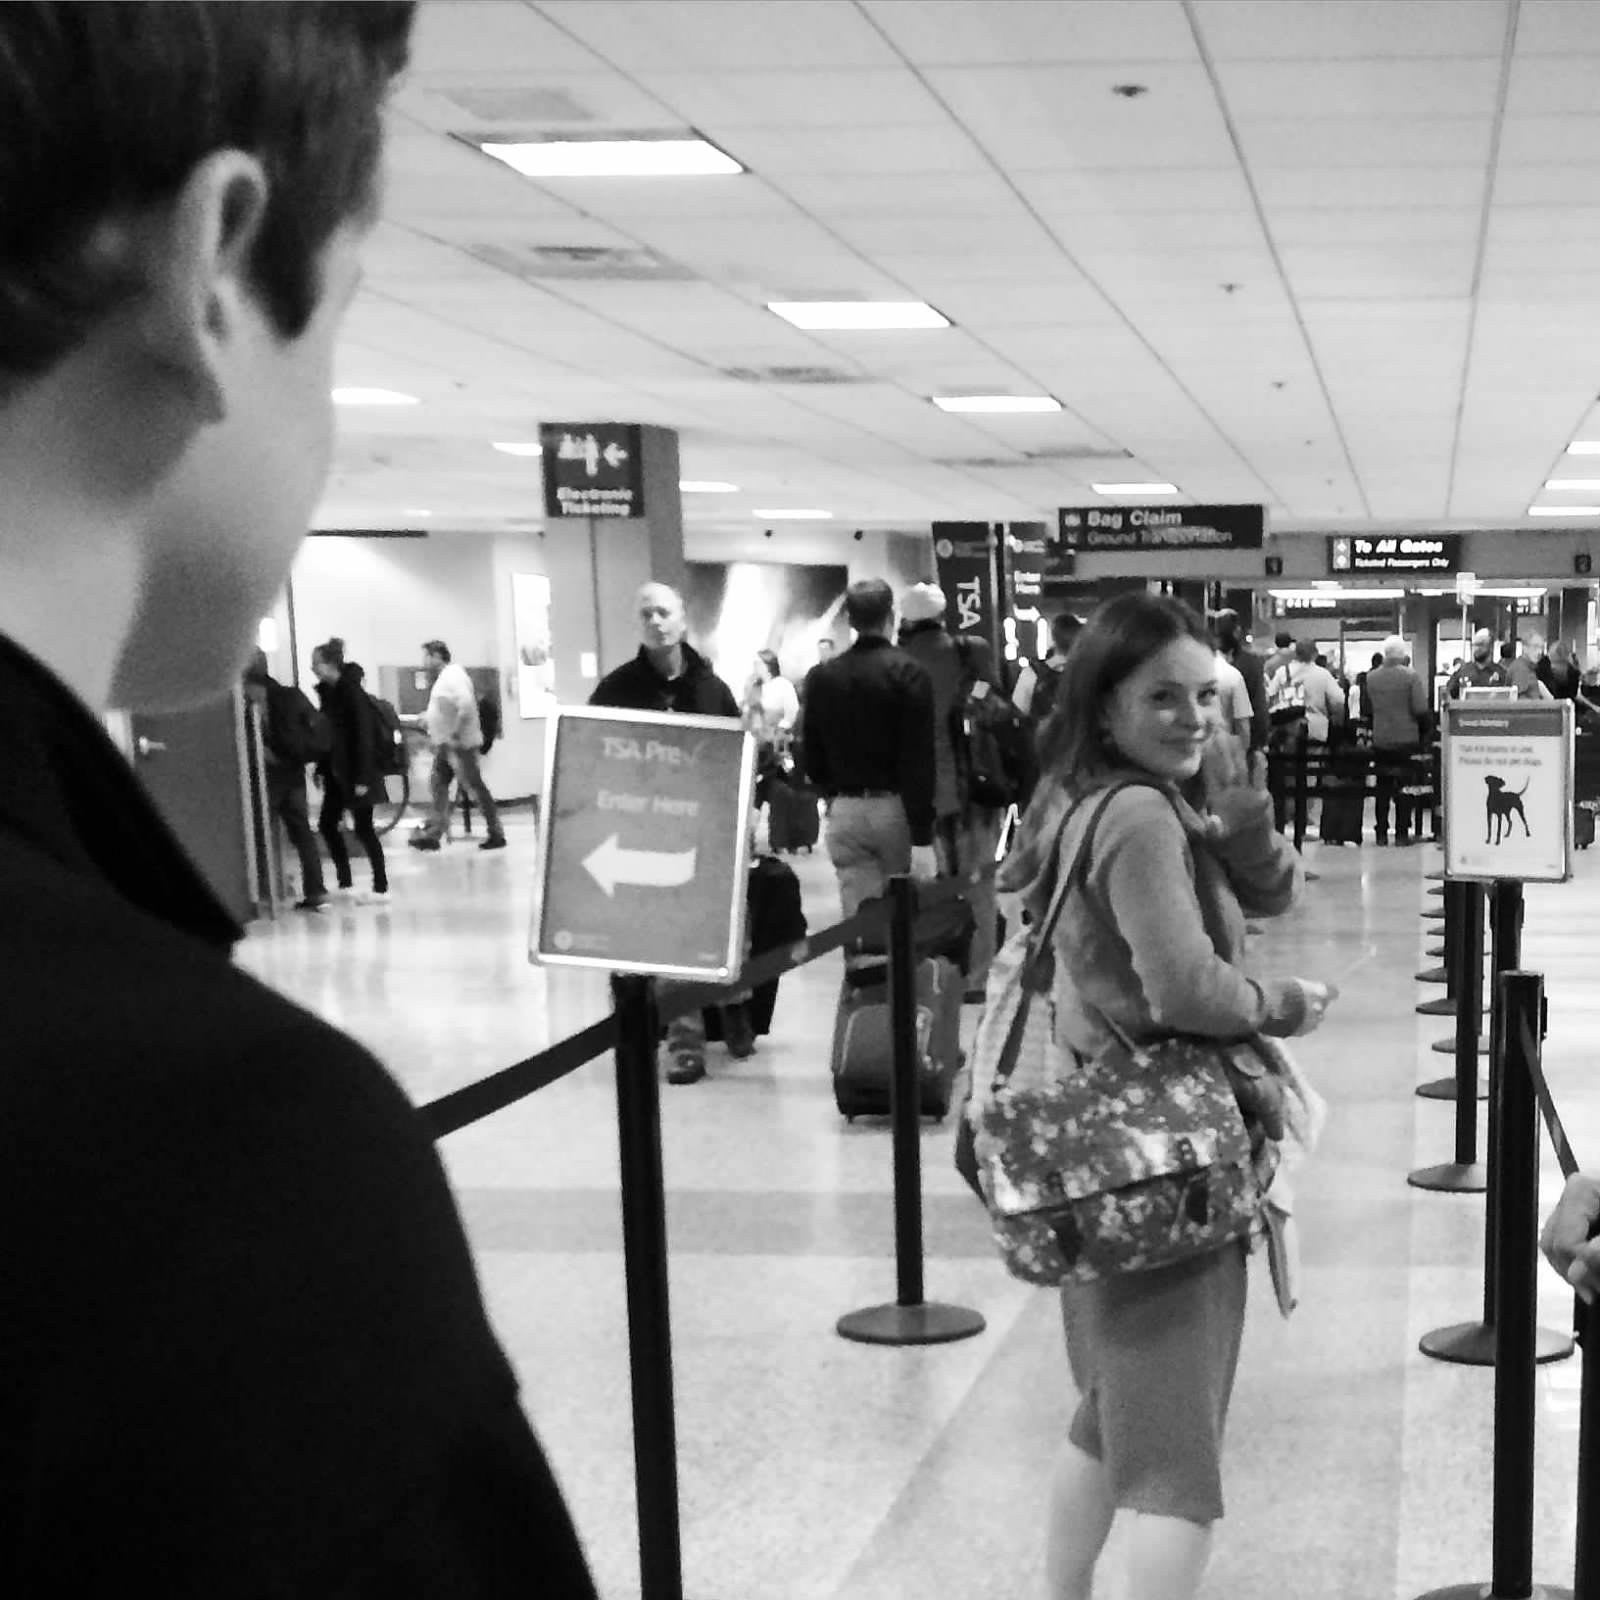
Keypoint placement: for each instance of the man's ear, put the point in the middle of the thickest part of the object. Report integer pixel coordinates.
(200, 304)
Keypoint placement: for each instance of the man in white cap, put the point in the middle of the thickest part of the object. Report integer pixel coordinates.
(1481, 672)
(924, 639)
(1397, 702)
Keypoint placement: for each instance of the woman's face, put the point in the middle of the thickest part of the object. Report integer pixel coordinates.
(763, 671)
(324, 669)
(1161, 715)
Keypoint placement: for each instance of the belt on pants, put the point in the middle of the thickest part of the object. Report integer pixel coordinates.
(866, 794)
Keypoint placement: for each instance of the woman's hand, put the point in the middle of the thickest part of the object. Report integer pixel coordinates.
(1235, 797)
(1318, 997)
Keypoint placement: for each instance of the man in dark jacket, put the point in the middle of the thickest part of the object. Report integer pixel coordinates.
(1229, 635)
(669, 674)
(293, 734)
(869, 747)
(245, 1351)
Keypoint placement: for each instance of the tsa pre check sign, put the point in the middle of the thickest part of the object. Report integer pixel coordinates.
(642, 863)
(1508, 790)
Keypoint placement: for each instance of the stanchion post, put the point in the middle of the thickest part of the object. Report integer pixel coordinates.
(1464, 1175)
(1519, 1005)
(911, 1319)
(1586, 1572)
(1505, 912)
(644, 1246)
(1300, 742)
(1515, 1230)
(905, 1091)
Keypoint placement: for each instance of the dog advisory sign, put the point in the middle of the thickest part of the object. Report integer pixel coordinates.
(1508, 790)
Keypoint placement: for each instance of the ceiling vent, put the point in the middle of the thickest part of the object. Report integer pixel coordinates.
(794, 375)
(1080, 452)
(591, 263)
(979, 463)
(517, 103)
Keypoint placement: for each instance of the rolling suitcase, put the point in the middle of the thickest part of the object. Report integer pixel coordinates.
(862, 1055)
(1344, 798)
(793, 822)
(1583, 823)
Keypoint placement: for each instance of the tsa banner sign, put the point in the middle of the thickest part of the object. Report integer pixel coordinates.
(1508, 791)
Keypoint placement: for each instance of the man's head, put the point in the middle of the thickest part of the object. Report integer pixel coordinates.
(1306, 650)
(1508, 650)
(1225, 628)
(1395, 651)
(185, 189)
(921, 604)
(1284, 641)
(662, 623)
(435, 655)
(1064, 628)
(1483, 644)
(869, 606)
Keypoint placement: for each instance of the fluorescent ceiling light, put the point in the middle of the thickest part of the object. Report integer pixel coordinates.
(1322, 593)
(854, 316)
(1591, 484)
(708, 488)
(1490, 594)
(794, 516)
(1564, 511)
(1584, 447)
(516, 448)
(372, 397)
(996, 402)
(1134, 488)
(416, 511)
(615, 158)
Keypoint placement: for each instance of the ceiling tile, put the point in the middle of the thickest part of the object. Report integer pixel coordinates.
(720, 104)
(474, 35)
(1022, 32)
(859, 151)
(1369, 187)
(1340, 90)
(1314, 30)
(1558, 28)
(1382, 143)
(1554, 86)
(1535, 141)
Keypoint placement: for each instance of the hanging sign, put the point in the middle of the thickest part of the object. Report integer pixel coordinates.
(1508, 786)
(1424, 553)
(1027, 554)
(643, 861)
(964, 557)
(591, 469)
(1135, 528)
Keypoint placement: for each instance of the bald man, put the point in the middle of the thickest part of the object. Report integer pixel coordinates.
(669, 674)
(1481, 672)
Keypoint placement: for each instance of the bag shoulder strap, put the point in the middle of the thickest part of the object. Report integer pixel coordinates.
(1041, 936)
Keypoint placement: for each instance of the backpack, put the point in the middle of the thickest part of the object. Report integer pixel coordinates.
(389, 737)
(1286, 695)
(993, 749)
(489, 722)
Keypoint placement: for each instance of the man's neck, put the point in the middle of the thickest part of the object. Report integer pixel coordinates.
(668, 663)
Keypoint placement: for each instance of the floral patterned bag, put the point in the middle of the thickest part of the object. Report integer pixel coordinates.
(1139, 1159)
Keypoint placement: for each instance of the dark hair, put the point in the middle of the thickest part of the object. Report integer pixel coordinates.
(105, 111)
(1508, 651)
(1064, 629)
(437, 647)
(1226, 624)
(332, 652)
(256, 669)
(1283, 641)
(1378, 658)
(977, 659)
(769, 659)
(1116, 641)
(868, 605)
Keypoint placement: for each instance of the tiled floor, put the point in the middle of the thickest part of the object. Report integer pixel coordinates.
(813, 1469)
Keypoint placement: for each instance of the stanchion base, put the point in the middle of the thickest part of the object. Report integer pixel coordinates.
(1434, 894)
(1434, 975)
(1445, 1089)
(1433, 913)
(1434, 877)
(1447, 1047)
(1433, 949)
(1444, 1006)
(1472, 1344)
(924, 1324)
(1311, 877)
(1452, 1178)
(1485, 1591)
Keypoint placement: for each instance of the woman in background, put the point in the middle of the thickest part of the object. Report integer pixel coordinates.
(349, 773)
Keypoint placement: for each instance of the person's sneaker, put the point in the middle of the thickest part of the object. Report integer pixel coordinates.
(738, 1032)
(423, 841)
(686, 1069)
(374, 897)
(498, 842)
(312, 902)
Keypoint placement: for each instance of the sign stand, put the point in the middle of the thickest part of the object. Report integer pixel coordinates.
(911, 1319)
(644, 1249)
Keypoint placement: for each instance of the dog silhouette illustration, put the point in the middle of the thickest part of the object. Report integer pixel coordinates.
(1501, 805)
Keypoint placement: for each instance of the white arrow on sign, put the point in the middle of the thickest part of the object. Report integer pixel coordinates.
(615, 455)
(609, 864)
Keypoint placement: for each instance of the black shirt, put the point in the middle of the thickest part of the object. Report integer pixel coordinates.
(243, 1350)
(869, 724)
(637, 686)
